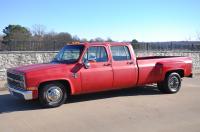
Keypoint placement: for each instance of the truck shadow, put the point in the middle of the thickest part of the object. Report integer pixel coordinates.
(137, 91)
(11, 104)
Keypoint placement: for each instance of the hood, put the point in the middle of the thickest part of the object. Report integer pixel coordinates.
(38, 67)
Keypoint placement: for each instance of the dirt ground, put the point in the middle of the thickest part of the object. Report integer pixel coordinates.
(140, 109)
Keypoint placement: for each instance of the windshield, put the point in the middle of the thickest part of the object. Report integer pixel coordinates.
(69, 54)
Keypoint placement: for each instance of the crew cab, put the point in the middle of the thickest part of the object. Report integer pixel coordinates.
(94, 67)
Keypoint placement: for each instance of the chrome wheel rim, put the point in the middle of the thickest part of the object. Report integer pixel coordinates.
(54, 95)
(173, 83)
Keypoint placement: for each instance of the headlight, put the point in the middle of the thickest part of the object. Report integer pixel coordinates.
(22, 81)
(21, 78)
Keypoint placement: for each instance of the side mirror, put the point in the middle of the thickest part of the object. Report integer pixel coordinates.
(91, 58)
(86, 64)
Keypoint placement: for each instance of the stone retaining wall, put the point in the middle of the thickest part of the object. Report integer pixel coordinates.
(16, 58)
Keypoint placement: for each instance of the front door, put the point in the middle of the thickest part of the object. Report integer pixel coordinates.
(99, 75)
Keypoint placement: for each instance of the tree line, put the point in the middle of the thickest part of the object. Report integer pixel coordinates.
(37, 33)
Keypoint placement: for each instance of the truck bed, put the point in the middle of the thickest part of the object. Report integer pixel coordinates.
(151, 69)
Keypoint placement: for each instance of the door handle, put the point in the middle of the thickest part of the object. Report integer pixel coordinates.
(107, 64)
(131, 62)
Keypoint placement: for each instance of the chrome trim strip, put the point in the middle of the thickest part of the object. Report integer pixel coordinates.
(28, 95)
(15, 80)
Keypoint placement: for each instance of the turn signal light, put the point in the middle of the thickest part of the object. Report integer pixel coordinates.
(32, 88)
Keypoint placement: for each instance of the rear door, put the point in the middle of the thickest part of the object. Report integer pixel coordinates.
(124, 67)
(99, 76)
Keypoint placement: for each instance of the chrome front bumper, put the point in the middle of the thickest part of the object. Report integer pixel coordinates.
(27, 95)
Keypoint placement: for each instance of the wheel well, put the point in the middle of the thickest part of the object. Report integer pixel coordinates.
(180, 72)
(64, 82)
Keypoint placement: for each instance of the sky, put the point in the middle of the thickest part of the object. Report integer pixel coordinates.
(121, 20)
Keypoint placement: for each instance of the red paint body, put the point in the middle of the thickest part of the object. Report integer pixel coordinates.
(104, 76)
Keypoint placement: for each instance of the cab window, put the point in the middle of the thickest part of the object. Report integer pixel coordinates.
(97, 53)
(120, 53)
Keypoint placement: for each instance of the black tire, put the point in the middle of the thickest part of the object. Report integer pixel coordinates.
(171, 84)
(52, 95)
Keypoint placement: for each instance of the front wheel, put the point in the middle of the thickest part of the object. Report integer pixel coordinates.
(171, 84)
(52, 95)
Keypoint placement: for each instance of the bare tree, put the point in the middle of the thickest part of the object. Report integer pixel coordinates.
(198, 36)
(84, 40)
(76, 38)
(92, 40)
(1, 37)
(50, 36)
(38, 31)
(98, 39)
(63, 37)
(109, 40)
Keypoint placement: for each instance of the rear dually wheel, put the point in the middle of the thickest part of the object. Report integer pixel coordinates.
(171, 84)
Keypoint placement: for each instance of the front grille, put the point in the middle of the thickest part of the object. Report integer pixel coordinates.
(15, 81)
(15, 76)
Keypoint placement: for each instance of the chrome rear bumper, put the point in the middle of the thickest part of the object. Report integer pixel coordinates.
(27, 95)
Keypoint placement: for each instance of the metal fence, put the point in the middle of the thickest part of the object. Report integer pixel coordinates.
(57, 45)
(168, 46)
(32, 45)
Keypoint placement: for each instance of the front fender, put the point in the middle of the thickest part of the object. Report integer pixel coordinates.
(72, 88)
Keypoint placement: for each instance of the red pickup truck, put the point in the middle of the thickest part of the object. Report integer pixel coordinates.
(94, 67)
